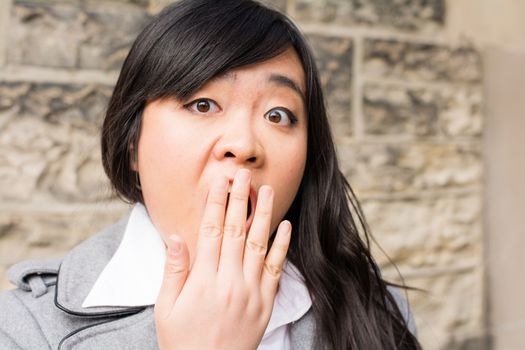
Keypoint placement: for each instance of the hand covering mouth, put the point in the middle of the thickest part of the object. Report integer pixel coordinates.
(252, 200)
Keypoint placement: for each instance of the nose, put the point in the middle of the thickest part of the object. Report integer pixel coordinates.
(239, 142)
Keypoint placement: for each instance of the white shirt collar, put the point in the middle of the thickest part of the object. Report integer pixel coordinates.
(134, 275)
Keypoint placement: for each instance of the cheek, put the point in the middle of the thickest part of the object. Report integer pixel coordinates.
(162, 149)
(157, 156)
(165, 162)
(287, 182)
(169, 171)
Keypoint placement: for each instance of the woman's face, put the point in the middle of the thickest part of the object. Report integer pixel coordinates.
(253, 117)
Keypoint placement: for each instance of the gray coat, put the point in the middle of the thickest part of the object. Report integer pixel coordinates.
(45, 311)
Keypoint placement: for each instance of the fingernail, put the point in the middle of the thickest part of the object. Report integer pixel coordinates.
(243, 175)
(175, 245)
(287, 229)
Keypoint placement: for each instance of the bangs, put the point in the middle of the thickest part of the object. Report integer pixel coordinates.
(196, 41)
(183, 47)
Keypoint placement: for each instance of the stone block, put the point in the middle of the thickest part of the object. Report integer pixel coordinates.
(334, 59)
(44, 235)
(394, 110)
(449, 310)
(83, 2)
(435, 232)
(157, 5)
(279, 5)
(49, 144)
(421, 62)
(73, 35)
(403, 15)
(383, 168)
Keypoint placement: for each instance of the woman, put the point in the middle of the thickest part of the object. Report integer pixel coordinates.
(241, 235)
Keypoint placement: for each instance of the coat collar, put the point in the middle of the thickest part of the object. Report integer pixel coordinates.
(134, 274)
(81, 267)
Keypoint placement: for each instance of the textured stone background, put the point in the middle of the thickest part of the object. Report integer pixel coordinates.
(406, 108)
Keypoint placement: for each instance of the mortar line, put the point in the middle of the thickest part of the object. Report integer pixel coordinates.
(5, 10)
(436, 38)
(419, 195)
(406, 139)
(57, 75)
(63, 208)
(357, 90)
(425, 272)
(414, 84)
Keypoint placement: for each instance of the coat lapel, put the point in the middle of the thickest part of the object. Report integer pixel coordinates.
(133, 332)
(302, 332)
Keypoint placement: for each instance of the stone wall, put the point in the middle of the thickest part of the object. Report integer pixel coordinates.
(406, 107)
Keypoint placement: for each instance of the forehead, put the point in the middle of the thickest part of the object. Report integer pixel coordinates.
(284, 70)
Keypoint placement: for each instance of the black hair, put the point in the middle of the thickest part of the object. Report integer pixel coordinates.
(193, 41)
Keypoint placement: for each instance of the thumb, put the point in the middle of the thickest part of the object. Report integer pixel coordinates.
(175, 273)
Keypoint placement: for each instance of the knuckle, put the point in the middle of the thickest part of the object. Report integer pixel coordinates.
(233, 231)
(265, 212)
(256, 247)
(210, 230)
(266, 312)
(272, 269)
(238, 196)
(216, 199)
(233, 295)
(255, 308)
(279, 247)
(174, 268)
(226, 295)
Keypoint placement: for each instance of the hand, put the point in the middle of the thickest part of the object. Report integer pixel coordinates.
(226, 300)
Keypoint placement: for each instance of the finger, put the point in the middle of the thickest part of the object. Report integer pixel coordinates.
(257, 238)
(274, 263)
(210, 232)
(175, 274)
(232, 247)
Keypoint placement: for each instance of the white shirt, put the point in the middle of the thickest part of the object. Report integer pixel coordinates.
(140, 259)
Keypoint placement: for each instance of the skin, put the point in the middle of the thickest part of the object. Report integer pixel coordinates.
(181, 151)
(219, 285)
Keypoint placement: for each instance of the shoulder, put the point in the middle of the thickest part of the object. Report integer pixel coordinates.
(404, 308)
(31, 316)
(34, 276)
(20, 327)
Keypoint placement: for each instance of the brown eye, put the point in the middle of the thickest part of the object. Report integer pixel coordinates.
(274, 117)
(203, 106)
(281, 116)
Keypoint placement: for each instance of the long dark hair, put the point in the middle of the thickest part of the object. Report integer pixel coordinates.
(186, 45)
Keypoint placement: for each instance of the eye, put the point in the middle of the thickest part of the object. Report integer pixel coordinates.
(202, 105)
(282, 116)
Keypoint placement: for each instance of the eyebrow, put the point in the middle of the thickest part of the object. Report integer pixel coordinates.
(283, 80)
(275, 78)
